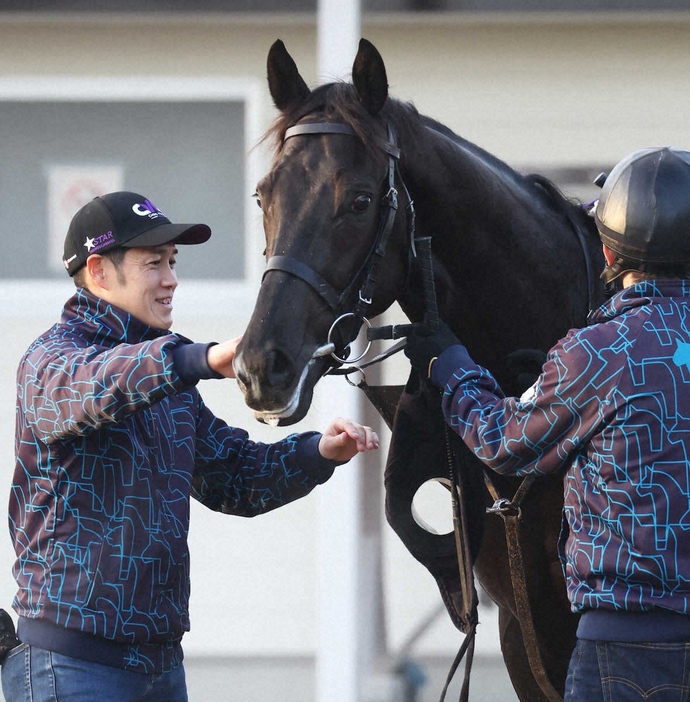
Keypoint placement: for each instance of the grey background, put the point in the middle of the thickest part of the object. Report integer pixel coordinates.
(186, 157)
(310, 5)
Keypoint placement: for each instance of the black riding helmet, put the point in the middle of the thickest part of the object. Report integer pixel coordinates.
(643, 213)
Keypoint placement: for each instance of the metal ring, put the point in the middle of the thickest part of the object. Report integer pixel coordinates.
(330, 331)
(355, 385)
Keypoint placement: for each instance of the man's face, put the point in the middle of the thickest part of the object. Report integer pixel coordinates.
(144, 284)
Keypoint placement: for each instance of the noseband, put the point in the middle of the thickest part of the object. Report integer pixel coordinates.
(364, 280)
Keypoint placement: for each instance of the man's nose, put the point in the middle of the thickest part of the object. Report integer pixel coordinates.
(170, 278)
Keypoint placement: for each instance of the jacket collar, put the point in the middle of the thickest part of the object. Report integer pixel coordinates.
(104, 323)
(639, 295)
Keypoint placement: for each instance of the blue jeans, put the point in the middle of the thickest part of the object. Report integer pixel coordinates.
(604, 671)
(31, 674)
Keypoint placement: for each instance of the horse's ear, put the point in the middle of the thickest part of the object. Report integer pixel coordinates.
(286, 85)
(369, 77)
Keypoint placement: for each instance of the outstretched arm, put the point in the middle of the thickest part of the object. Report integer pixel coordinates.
(220, 356)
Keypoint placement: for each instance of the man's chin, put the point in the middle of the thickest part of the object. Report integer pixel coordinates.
(164, 323)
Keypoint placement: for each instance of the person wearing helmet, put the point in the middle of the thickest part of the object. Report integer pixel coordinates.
(643, 214)
(611, 411)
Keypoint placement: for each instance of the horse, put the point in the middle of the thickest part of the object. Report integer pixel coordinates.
(358, 178)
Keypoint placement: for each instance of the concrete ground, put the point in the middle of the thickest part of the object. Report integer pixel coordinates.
(292, 680)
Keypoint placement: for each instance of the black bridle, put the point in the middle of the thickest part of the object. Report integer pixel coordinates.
(364, 281)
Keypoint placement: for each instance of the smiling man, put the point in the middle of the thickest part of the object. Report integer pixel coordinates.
(112, 440)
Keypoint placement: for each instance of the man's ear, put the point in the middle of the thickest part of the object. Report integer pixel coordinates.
(96, 272)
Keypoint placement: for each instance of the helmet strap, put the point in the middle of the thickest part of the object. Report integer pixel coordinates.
(616, 269)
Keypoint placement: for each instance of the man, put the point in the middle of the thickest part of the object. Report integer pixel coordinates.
(112, 439)
(611, 408)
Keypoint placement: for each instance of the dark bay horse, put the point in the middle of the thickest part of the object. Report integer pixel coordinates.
(356, 175)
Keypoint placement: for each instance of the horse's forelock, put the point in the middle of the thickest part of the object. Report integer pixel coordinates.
(339, 102)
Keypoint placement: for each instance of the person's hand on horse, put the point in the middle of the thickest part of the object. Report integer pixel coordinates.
(220, 356)
(423, 347)
(344, 438)
(525, 366)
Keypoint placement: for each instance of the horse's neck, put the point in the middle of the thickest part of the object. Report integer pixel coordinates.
(468, 201)
(500, 247)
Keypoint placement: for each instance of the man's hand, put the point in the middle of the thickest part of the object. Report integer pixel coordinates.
(344, 438)
(220, 356)
(423, 347)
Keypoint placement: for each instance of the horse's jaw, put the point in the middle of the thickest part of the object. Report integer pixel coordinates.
(294, 410)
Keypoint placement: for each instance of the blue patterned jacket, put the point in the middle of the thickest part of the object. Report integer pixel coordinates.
(110, 444)
(612, 410)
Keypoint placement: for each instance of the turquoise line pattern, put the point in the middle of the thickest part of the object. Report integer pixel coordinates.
(611, 410)
(110, 447)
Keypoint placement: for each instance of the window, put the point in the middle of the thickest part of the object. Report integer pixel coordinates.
(186, 155)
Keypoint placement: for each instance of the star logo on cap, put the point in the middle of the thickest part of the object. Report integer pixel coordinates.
(89, 243)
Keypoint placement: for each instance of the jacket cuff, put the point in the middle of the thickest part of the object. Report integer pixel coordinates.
(451, 359)
(191, 362)
(311, 461)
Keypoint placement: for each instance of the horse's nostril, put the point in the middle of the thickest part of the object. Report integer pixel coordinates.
(279, 368)
(260, 371)
(243, 377)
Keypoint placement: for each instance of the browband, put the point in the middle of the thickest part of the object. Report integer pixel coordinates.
(336, 128)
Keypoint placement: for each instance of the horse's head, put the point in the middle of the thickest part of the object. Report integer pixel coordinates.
(335, 239)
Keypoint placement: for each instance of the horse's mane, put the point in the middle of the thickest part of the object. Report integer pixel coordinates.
(572, 208)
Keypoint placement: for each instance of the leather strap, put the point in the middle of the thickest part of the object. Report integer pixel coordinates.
(511, 515)
(319, 128)
(337, 128)
(466, 576)
(300, 270)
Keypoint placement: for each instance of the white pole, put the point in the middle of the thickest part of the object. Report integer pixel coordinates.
(338, 33)
(350, 595)
(338, 543)
(350, 614)
(337, 660)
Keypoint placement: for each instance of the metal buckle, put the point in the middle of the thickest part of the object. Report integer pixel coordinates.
(503, 506)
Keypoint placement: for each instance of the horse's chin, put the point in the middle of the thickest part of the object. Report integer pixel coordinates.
(296, 408)
(293, 413)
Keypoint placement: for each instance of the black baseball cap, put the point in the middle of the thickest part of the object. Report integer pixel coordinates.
(123, 219)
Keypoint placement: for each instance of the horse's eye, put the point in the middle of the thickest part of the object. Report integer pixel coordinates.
(257, 199)
(361, 203)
